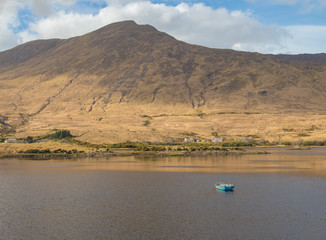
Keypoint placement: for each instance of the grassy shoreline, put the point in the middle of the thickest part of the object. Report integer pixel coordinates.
(121, 152)
(106, 155)
(68, 149)
(62, 144)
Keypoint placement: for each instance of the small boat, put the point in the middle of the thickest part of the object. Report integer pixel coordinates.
(224, 186)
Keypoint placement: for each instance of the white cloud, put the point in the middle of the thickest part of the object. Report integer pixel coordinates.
(9, 18)
(8, 39)
(306, 39)
(193, 23)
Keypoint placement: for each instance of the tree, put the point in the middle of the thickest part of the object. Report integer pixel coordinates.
(29, 139)
(61, 134)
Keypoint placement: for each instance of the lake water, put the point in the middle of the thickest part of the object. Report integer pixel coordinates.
(277, 196)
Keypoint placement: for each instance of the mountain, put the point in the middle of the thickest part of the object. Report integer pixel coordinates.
(131, 82)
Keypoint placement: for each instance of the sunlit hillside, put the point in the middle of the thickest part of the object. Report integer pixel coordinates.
(131, 82)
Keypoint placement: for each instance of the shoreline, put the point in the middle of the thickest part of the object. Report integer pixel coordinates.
(72, 149)
(125, 153)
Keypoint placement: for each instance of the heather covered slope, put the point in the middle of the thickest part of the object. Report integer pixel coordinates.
(106, 84)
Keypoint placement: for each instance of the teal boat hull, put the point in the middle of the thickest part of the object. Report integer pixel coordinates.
(224, 186)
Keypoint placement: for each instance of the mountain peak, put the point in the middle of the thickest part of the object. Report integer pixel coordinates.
(128, 25)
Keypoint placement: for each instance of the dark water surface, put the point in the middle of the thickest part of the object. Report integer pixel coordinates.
(278, 196)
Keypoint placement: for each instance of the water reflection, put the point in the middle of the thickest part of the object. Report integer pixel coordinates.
(311, 162)
(165, 198)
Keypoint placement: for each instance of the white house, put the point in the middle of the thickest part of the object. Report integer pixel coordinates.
(10, 140)
(217, 139)
(189, 140)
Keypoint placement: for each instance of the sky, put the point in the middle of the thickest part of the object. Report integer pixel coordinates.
(265, 26)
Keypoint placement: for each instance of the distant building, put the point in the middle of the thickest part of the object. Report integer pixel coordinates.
(10, 140)
(189, 140)
(217, 139)
(192, 140)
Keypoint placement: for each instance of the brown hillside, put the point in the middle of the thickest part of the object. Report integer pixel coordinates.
(106, 84)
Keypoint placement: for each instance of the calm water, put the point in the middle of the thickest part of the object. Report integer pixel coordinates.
(278, 196)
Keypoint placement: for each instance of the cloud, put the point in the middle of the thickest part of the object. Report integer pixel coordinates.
(193, 23)
(10, 17)
(190, 22)
(8, 20)
(306, 39)
(9, 39)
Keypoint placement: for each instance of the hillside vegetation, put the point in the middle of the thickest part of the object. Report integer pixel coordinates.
(131, 82)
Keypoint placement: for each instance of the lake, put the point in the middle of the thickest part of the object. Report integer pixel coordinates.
(281, 195)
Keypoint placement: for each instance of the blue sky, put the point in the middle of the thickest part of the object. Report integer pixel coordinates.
(266, 26)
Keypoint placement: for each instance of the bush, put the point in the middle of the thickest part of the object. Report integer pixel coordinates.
(303, 135)
(286, 143)
(192, 149)
(37, 151)
(59, 151)
(60, 134)
(141, 148)
(214, 149)
(312, 128)
(146, 123)
(314, 143)
(288, 129)
(237, 144)
(146, 116)
(32, 151)
(309, 144)
(29, 139)
(215, 134)
(151, 148)
(45, 151)
(124, 145)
